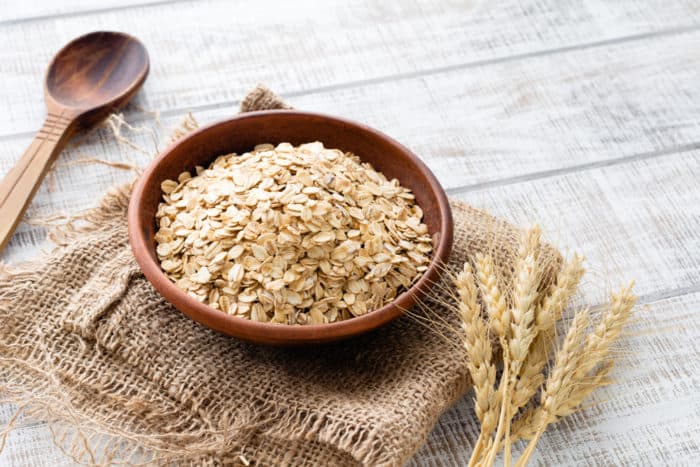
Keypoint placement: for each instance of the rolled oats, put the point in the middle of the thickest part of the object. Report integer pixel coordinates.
(293, 235)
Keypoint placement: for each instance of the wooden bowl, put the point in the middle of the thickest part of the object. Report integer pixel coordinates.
(241, 134)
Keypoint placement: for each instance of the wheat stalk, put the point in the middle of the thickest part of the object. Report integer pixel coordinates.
(481, 368)
(525, 325)
(526, 331)
(499, 316)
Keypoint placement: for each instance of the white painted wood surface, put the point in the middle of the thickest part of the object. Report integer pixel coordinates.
(582, 116)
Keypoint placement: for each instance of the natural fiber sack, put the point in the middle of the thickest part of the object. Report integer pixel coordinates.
(88, 345)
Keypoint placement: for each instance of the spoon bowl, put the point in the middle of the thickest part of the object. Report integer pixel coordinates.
(88, 79)
(96, 74)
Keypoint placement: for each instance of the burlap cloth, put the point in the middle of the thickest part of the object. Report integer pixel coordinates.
(88, 345)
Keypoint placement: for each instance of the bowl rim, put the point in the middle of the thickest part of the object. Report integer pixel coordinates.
(273, 333)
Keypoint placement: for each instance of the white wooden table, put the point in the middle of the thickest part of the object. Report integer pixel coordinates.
(581, 116)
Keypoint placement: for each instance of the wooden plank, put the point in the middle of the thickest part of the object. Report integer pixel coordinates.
(14, 11)
(500, 121)
(648, 417)
(33, 445)
(204, 54)
(637, 220)
(547, 113)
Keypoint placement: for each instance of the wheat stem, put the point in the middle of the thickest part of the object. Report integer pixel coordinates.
(527, 453)
(476, 453)
(506, 454)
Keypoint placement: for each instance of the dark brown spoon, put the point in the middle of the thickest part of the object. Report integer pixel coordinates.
(88, 79)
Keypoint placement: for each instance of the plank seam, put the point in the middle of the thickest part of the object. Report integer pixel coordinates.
(75, 14)
(574, 168)
(456, 67)
(139, 115)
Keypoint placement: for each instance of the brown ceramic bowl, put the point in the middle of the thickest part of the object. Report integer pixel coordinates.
(242, 133)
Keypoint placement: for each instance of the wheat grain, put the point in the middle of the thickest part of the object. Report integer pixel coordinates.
(477, 342)
(581, 389)
(499, 320)
(566, 361)
(495, 302)
(531, 377)
(551, 308)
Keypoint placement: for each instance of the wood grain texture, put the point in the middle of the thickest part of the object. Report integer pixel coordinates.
(15, 12)
(582, 116)
(637, 220)
(530, 115)
(30, 443)
(223, 47)
(18, 186)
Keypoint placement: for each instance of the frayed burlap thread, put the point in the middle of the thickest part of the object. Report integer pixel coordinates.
(87, 345)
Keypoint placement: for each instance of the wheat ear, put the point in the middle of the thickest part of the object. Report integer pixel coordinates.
(478, 346)
(524, 296)
(495, 302)
(559, 379)
(598, 343)
(547, 313)
(522, 328)
(550, 310)
(499, 320)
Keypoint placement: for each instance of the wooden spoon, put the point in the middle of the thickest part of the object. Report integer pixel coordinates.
(88, 79)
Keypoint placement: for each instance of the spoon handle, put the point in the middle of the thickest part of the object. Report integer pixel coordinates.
(22, 181)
